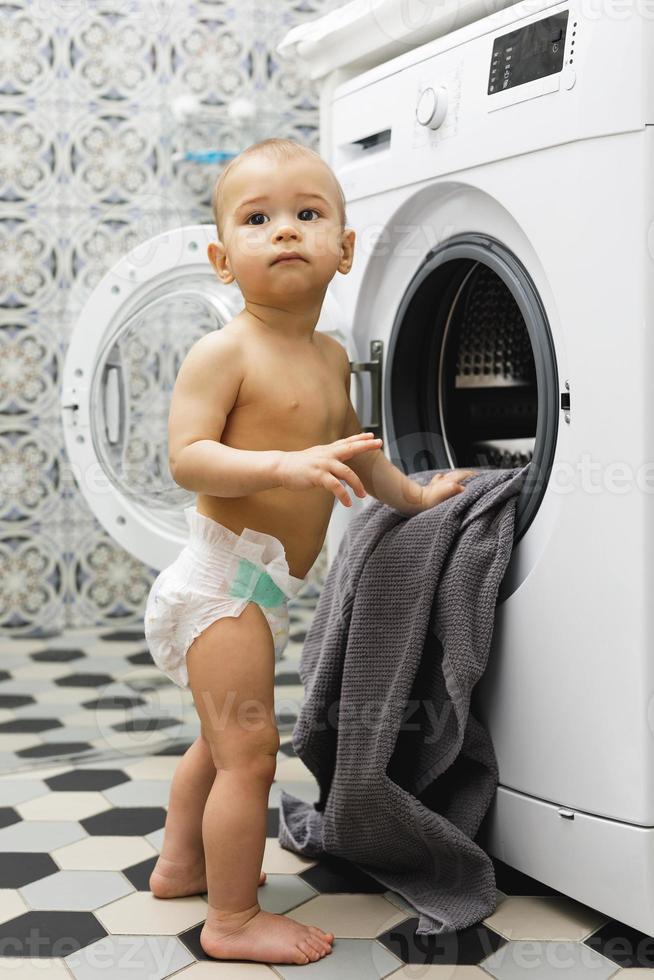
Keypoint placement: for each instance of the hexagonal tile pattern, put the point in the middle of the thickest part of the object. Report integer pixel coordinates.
(32, 835)
(12, 905)
(139, 874)
(360, 958)
(84, 680)
(62, 806)
(542, 958)
(134, 820)
(82, 831)
(465, 947)
(13, 791)
(8, 815)
(57, 656)
(103, 853)
(149, 957)
(20, 868)
(47, 934)
(540, 917)
(141, 912)
(350, 916)
(86, 780)
(78, 890)
(54, 749)
(145, 792)
(32, 968)
(283, 893)
(622, 945)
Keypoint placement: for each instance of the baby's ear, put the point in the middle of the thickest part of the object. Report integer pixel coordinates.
(347, 244)
(218, 257)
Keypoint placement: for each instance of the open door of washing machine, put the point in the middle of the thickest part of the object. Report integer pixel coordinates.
(120, 368)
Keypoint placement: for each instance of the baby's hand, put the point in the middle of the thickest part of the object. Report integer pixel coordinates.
(442, 486)
(322, 466)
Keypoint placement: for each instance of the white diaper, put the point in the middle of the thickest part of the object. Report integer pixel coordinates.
(216, 574)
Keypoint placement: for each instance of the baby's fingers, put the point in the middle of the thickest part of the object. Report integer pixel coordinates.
(361, 446)
(458, 475)
(344, 472)
(334, 485)
(357, 435)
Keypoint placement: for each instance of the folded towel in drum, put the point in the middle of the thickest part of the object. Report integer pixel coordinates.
(400, 636)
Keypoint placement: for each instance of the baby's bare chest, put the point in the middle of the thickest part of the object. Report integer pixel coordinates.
(288, 406)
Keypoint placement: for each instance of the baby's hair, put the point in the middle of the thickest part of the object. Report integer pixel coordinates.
(277, 148)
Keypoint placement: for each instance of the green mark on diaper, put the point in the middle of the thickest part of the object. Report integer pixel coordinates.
(250, 581)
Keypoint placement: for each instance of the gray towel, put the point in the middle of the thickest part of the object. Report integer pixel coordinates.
(400, 637)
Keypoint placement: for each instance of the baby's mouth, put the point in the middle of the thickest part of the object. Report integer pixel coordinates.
(288, 258)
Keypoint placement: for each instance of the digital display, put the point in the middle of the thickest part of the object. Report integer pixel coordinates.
(528, 53)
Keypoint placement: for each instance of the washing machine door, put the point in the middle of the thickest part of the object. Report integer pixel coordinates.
(120, 368)
(472, 377)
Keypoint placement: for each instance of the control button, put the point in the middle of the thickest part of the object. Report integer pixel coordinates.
(556, 36)
(432, 107)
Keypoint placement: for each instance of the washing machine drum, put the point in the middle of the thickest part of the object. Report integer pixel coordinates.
(472, 369)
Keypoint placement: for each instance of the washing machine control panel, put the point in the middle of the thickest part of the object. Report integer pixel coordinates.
(526, 54)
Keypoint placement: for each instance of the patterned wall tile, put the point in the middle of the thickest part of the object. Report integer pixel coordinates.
(28, 64)
(104, 583)
(32, 465)
(33, 161)
(114, 56)
(30, 366)
(97, 238)
(35, 567)
(91, 163)
(29, 266)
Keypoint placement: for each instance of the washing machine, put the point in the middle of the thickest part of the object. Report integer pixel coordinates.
(499, 180)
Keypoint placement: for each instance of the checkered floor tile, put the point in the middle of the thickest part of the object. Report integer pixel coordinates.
(90, 735)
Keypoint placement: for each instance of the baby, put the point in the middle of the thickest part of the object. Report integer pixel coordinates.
(262, 429)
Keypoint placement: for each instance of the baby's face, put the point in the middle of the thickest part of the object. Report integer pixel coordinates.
(296, 210)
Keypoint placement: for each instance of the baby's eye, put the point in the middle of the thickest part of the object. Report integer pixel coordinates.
(258, 214)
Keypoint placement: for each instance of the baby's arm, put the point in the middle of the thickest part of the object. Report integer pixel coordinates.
(205, 392)
(386, 482)
(380, 477)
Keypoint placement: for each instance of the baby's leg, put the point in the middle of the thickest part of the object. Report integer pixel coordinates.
(231, 675)
(180, 869)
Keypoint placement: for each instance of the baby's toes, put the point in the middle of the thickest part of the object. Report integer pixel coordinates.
(318, 944)
(306, 945)
(322, 944)
(301, 956)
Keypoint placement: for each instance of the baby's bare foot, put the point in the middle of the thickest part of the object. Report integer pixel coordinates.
(262, 936)
(173, 879)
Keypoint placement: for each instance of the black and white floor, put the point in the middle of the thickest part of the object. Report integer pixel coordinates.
(90, 735)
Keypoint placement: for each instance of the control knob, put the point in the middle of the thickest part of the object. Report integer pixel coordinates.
(432, 106)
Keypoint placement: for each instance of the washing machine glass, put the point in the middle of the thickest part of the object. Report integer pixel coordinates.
(125, 351)
(132, 384)
(471, 369)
